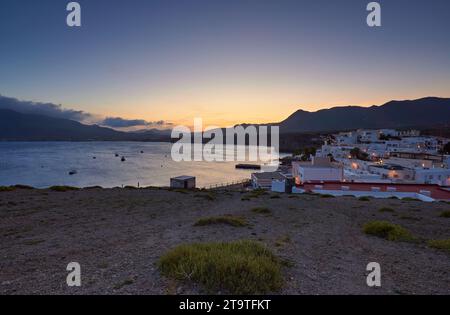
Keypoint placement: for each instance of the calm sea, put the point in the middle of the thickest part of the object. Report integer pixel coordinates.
(44, 164)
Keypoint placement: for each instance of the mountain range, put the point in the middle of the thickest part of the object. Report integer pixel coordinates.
(421, 113)
(15, 126)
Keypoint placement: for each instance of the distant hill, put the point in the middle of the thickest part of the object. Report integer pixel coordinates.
(425, 112)
(16, 126)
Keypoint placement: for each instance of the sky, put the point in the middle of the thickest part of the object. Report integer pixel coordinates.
(226, 61)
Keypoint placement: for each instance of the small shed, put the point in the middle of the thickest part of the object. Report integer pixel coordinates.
(183, 182)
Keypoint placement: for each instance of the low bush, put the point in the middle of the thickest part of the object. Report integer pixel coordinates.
(23, 187)
(387, 230)
(262, 210)
(63, 188)
(241, 267)
(410, 199)
(208, 196)
(226, 219)
(7, 188)
(440, 244)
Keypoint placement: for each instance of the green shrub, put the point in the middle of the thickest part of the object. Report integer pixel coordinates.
(440, 244)
(257, 192)
(122, 284)
(326, 196)
(63, 188)
(275, 197)
(387, 230)
(7, 188)
(445, 214)
(364, 198)
(208, 196)
(241, 267)
(408, 217)
(283, 241)
(92, 187)
(262, 210)
(179, 190)
(226, 219)
(410, 199)
(386, 209)
(23, 187)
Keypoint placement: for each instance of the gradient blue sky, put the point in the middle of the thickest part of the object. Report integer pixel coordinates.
(227, 61)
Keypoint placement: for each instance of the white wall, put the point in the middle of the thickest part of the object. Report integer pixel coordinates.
(374, 194)
(320, 173)
(439, 176)
(279, 186)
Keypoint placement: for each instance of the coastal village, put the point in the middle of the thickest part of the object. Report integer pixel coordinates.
(382, 163)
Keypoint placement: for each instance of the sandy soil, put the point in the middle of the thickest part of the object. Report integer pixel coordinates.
(117, 235)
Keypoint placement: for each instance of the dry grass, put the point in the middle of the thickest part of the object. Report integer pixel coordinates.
(7, 188)
(261, 210)
(386, 209)
(440, 244)
(387, 230)
(226, 219)
(63, 188)
(206, 195)
(241, 267)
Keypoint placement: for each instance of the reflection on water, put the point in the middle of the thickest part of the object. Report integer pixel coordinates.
(43, 164)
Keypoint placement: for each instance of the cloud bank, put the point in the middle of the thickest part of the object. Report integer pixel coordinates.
(57, 111)
(117, 122)
(46, 109)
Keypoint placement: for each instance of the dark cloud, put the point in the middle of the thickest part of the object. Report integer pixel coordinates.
(117, 122)
(57, 111)
(46, 109)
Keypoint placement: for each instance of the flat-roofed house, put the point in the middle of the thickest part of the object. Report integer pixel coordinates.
(183, 182)
(264, 180)
(319, 169)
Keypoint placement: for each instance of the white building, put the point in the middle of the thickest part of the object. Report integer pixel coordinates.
(182, 182)
(388, 132)
(395, 173)
(346, 138)
(264, 180)
(368, 135)
(409, 133)
(319, 169)
(439, 176)
(392, 156)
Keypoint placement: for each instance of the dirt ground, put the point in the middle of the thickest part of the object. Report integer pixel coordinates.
(117, 236)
